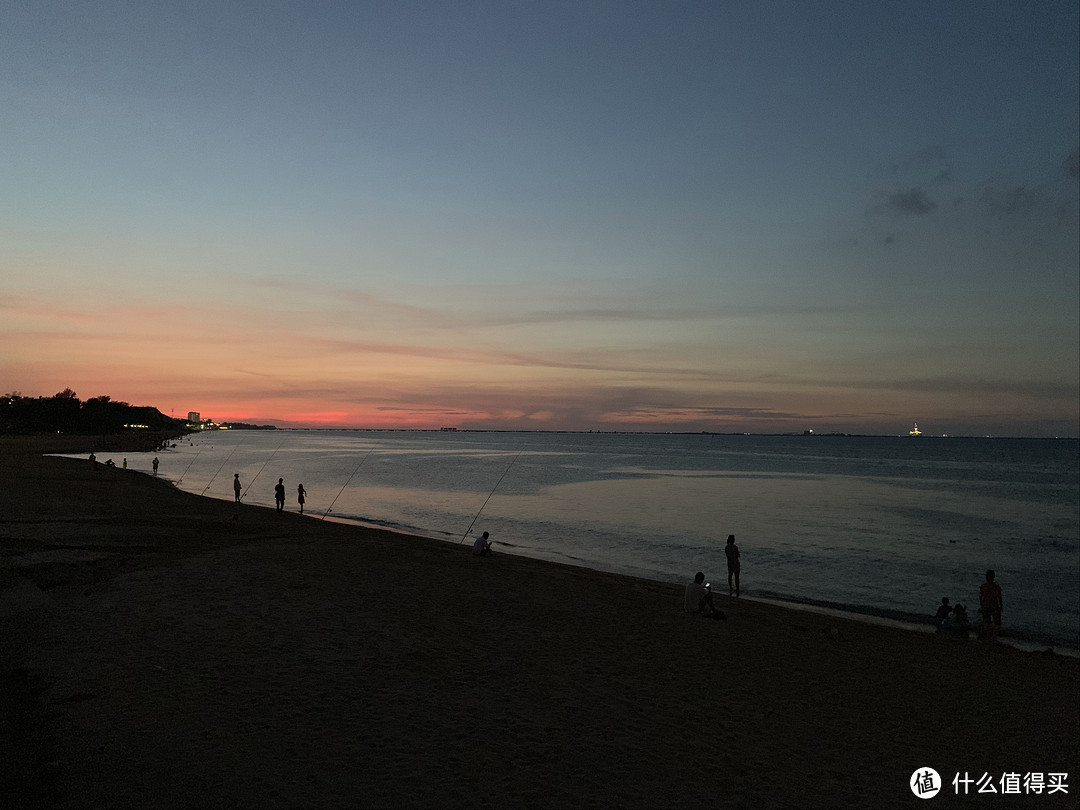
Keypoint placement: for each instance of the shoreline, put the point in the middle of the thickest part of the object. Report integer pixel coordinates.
(163, 647)
(1028, 642)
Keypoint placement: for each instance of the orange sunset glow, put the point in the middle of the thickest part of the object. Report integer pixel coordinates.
(401, 226)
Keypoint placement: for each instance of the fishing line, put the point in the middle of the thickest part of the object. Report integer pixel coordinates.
(488, 498)
(263, 467)
(188, 467)
(222, 467)
(354, 472)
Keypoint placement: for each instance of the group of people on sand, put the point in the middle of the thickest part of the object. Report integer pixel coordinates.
(698, 598)
(952, 620)
(279, 493)
(112, 464)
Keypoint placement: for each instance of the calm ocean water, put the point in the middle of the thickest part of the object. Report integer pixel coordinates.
(885, 524)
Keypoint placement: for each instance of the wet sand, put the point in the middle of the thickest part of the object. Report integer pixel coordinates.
(162, 649)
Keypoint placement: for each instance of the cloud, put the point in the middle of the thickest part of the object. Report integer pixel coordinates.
(367, 305)
(633, 361)
(910, 201)
(1071, 164)
(931, 159)
(598, 315)
(983, 387)
(696, 415)
(1019, 203)
(1010, 201)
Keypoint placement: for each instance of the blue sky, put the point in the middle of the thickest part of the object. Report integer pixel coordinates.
(702, 216)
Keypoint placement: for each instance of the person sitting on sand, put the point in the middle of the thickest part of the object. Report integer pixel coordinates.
(990, 601)
(482, 546)
(956, 623)
(731, 551)
(698, 596)
(960, 619)
(942, 612)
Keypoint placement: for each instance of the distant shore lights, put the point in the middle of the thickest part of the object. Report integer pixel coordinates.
(915, 431)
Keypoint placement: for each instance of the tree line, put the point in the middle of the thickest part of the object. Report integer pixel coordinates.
(66, 413)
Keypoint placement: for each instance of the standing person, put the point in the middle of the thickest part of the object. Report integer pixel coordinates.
(156, 462)
(236, 487)
(731, 551)
(301, 493)
(990, 604)
(279, 494)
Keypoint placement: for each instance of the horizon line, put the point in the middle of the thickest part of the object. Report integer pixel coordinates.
(808, 435)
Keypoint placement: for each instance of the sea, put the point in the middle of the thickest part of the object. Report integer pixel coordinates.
(870, 526)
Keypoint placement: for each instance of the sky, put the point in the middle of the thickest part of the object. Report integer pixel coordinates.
(736, 217)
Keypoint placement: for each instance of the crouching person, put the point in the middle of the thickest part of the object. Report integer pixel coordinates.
(698, 598)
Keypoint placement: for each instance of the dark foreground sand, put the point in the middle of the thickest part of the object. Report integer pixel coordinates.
(165, 650)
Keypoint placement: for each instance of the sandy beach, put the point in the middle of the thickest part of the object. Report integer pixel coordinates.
(162, 649)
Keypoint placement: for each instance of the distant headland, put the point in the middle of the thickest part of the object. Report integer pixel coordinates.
(64, 423)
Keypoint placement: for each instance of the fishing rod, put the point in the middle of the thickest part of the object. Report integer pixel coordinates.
(488, 498)
(354, 472)
(263, 467)
(222, 467)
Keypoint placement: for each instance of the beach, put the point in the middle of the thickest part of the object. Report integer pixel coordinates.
(163, 649)
(874, 525)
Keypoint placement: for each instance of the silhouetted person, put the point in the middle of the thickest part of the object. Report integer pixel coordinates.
(110, 463)
(482, 546)
(93, 461)
(156, 462)
(125, 463)
(990, 604)
(698, 596)
(301, 493)
(942, 612)
(731, 551)
(956, 623)
(236, 487)
(279, 494)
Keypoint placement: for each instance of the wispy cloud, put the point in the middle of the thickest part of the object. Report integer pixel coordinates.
(909, 201)
(1020, 203)
(366, 303)
(1071, 164)
(984, 387)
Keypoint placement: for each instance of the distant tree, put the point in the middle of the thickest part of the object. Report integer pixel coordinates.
(61, 413)
(64, 413)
